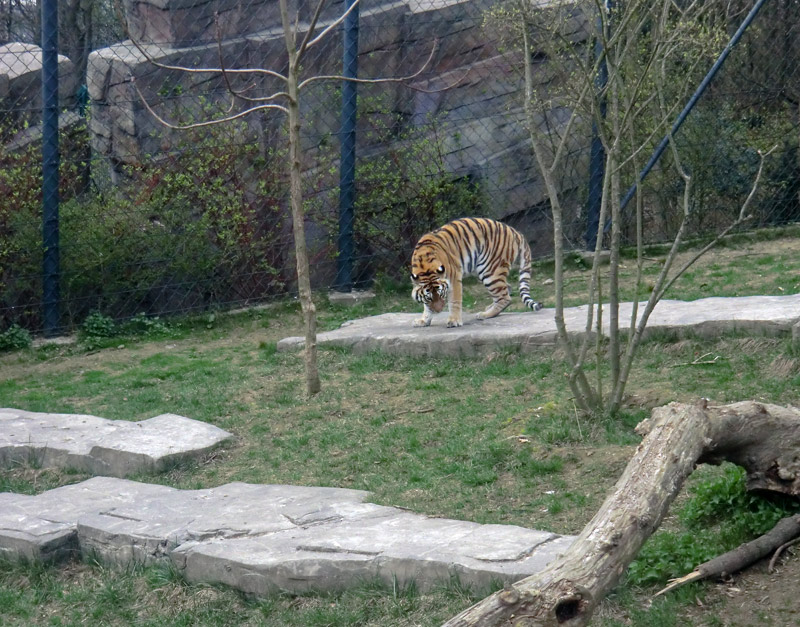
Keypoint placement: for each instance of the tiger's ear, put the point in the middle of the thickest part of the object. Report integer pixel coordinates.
(440, 269)
(414, 277)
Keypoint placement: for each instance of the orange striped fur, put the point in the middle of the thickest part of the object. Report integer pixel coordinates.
(466, 246)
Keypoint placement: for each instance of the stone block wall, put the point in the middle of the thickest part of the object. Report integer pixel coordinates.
(471, 86)
(21, 83)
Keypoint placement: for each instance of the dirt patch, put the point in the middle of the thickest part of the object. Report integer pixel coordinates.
(753, 598)
(759, 598)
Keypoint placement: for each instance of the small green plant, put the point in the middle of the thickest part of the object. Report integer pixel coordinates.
(727, 498)
(14, 338)
(142, 324)
(720, 516)
(98, 325)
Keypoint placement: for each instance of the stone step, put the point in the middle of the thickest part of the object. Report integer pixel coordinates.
(266, 538)
(102, 447)
(707, 317)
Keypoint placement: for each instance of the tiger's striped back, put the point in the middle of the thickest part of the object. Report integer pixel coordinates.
(466, 246)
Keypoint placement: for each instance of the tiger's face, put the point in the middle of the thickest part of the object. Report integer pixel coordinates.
(430, 283)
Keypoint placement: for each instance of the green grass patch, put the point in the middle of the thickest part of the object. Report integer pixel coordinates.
(495, 439)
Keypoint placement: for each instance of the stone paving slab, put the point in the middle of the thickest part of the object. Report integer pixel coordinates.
(44, 526)
(100, 446)
(707, 317)
(266, 538)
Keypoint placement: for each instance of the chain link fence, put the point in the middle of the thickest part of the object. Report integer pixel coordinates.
(159, 220)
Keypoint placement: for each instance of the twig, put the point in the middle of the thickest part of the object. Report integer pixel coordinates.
(183, 127)
(698, 362)
(679, 581)
(783, 534)
(367, 81)
(424, 410)
(778, 552)
(743, 217)
(577, 419)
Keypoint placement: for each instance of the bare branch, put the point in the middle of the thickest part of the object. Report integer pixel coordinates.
(184, 127)
(313, 25)
(399, 79)
(743, 217)
(201, 70)
(330, 27)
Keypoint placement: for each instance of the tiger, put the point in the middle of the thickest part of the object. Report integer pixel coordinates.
(465, 246)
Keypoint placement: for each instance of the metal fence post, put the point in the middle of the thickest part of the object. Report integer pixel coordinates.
(347, 166)
(597, 153)
(50, 166)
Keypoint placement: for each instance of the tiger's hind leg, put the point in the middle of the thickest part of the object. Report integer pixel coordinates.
(501, 295)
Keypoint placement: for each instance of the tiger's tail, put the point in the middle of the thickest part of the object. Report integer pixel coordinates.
(525, 275)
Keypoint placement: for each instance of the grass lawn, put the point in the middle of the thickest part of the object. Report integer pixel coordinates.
(493, 440)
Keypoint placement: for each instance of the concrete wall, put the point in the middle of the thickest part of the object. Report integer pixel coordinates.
(471, 86)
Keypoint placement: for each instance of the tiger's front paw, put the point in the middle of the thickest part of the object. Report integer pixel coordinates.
(421, 322)
(452, 322)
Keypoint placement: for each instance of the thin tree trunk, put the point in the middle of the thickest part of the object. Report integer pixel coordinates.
(298, 217)
(581, 389)
(764, 439)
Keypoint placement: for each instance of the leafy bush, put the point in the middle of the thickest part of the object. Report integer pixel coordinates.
(14, 338)
(720, 516)
(199, 226)
(20, 215)
(98, 325)
(141, 324)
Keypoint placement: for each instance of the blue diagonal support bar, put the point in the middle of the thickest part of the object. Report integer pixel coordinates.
(690, 105)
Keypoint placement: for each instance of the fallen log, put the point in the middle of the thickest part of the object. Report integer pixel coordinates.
(764, 439)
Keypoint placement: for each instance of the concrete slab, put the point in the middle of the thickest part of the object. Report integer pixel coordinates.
(707, 317)
(100, 446)
(44, 526)
(266, 538)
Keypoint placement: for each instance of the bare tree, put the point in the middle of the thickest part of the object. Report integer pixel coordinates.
(654, 55)
(299, 39)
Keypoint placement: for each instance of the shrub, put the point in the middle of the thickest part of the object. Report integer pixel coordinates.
(200, 226)
(20, 218)
(720, 515)
(98, 325)
(14, 338)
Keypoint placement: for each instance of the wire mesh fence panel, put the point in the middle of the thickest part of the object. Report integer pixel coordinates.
(161, 212)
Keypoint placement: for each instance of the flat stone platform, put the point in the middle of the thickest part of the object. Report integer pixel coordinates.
(266, 538)
(707, 317)
(102, 447)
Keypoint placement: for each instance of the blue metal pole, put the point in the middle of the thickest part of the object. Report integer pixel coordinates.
(347, 172)
(692, 101)
(50, 164)
(597, 155)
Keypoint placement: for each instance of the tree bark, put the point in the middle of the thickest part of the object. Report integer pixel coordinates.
(298, 214)
(764, 439)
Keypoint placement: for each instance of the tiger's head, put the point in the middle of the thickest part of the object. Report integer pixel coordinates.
(429, 279)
